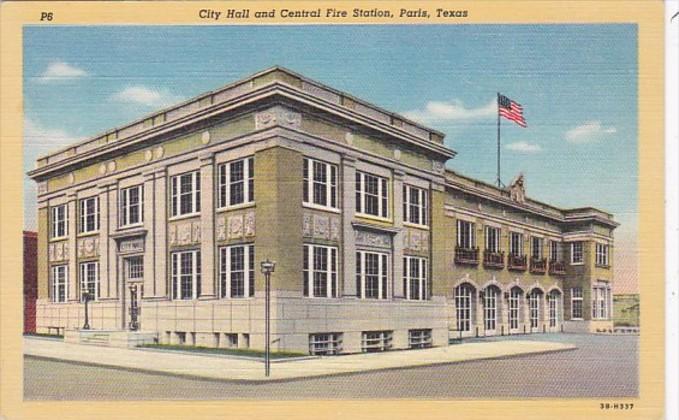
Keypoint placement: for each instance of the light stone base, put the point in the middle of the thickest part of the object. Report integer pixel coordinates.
(111, 338)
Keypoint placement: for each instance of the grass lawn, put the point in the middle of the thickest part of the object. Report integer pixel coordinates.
(55, 336)
(234, 352)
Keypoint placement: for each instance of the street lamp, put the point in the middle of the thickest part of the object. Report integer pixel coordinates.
(86, 298)
(268, 267)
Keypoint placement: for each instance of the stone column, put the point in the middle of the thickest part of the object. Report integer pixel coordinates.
(207, 223)
(160, 233)
(348, 210)
(504, 313)
(114, 269)
(72, 247)
(106, 226)
(397, 278)
(149, 217)
(526, 312)
(545, 313)
(479, 315)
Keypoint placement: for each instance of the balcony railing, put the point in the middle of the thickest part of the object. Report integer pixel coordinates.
(557, 268)
(493, 259)
(517, 262)
(466, 256)
(538, 265)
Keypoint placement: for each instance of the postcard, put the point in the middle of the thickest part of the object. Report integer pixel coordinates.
(339, 209)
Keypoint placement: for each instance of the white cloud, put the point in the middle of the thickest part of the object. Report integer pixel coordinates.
(451, 111)
(524, 147)
(143, 95)
(589, 132)
(60, 70)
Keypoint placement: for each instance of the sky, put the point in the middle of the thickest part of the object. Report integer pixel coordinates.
(577, 85)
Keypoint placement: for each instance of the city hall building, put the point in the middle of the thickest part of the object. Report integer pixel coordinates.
(377, 244)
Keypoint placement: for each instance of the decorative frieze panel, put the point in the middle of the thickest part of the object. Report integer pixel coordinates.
(250, 224)
(372, 239)
(220, 227)
(131, 245)
(186, 233)
(235, 227)
(320, 227)
(58, 251)
(278, 116)
(88, 247)
(416, 240)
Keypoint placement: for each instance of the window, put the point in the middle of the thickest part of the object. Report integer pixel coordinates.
(553, 305)
(602, 255)
(415, 285)
(131, 206)
(325, 344)
(320, 271)
(415, 204)
(514, 308)
(465, 234)
(371, 275)
(492, 239)
(376, 341)
(59, 283)
(237, 271)
(554, 251)
(186, 194)
(186, 274)
(600, 302)
(516, 243)
(490, 309)
(135, 267)
(534, 309)
(89, 280)
(576, 253)
(231, 340)
(576, 303)
(463, 307)
(236, 182)
(536, 248)
(59, 227)
(419, 339)
(372, 195)
(89, 215)
(320, 184)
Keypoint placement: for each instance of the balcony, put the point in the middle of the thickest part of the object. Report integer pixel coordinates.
(538, 265)
(517, 262)
(493, 259)
(466, 256)
(557, 268)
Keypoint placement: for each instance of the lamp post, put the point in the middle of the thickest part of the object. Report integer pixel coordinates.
(268, 267)
(86, 298)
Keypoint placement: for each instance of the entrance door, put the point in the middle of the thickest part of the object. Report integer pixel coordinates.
(133, 276)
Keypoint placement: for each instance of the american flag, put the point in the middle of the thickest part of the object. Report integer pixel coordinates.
(511, 110)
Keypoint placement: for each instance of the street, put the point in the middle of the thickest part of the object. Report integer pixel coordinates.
(602, 366)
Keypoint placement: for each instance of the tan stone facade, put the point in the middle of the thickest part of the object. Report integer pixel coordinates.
(376, 244)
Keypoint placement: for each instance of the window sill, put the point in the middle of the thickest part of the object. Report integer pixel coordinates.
(59, 239)
(319, 207)
(415, 225)
(86, 234)
(604, 266)
(373, 218)
(235, 207)
(128, 227)
(183, 216)
(578, 263)
(577, 319)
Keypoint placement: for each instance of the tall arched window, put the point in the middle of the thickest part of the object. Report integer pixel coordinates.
(553, 304)
(463, 306)
(514, 308)
(490, 308)
(534, 306)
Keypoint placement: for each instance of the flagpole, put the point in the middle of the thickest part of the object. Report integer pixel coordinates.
(499, 182)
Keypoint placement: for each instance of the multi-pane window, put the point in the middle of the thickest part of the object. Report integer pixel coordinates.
(376, 341)
(59, 221)
(89, 280)
(237, 271)
(415, 284)
(320, 271)
(419, 339)
(576, 303)
(131, 206)
(600, 302)
(135, 267)
(372, 195)
(602, 254)
(536, 248)
(514, 308)
(466, 237)
(577, 256)
(492, 239)
(554, 251)
(553, 305)
(325, 344)
(516, 243)
(534, 309)
(185, 193)
(89, 214)
(415, 204)
(490, 308)
(371, 275)
(59, 283)
(320, 184)
(236, 182)
(186, 274)
(463, 307)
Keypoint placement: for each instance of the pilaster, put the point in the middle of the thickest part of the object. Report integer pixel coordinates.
(348, 210)
(72, 246)
(113, 263)
(149, 217)
(160, 233)
(106, 226)
(397, 278)
(207, 221)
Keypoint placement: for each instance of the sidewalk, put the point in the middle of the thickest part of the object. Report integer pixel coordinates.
(223, 368)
